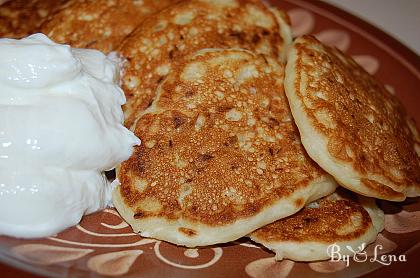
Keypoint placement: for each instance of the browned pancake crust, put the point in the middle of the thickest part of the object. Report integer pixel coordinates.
(20, 18)
(185, 28)
(329, 223)
(367, 127)
(99, 24)
(230, 148)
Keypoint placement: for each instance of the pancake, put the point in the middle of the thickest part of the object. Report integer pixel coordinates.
(350, 124)
(284, 22)
(190, 26)
(221, 155)
(20, 18)
(99, 24)
(341, 219)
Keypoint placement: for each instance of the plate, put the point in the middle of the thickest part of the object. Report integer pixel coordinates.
(104, 245)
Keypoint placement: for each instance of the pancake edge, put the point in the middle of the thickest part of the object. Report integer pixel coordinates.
(316, 189)
(308, 251)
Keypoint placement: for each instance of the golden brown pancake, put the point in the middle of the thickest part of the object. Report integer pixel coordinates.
(187, 27)
(341, 218)
(220, 156)
(20, 18)
(350, 124)
(99, 24)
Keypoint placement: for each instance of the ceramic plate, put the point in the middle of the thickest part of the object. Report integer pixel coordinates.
(103, 244)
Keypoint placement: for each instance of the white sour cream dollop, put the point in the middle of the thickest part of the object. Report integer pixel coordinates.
(61, 127)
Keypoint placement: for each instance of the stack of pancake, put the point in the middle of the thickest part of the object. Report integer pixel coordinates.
(20, 18)
(244, 132)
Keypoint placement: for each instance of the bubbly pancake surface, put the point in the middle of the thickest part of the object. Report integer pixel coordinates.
(220, 156)
(339, 218)
(189, 26)
(20, 18)
(99, 24)
(350, 124)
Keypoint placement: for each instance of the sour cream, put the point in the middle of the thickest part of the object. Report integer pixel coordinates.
(61, 127)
